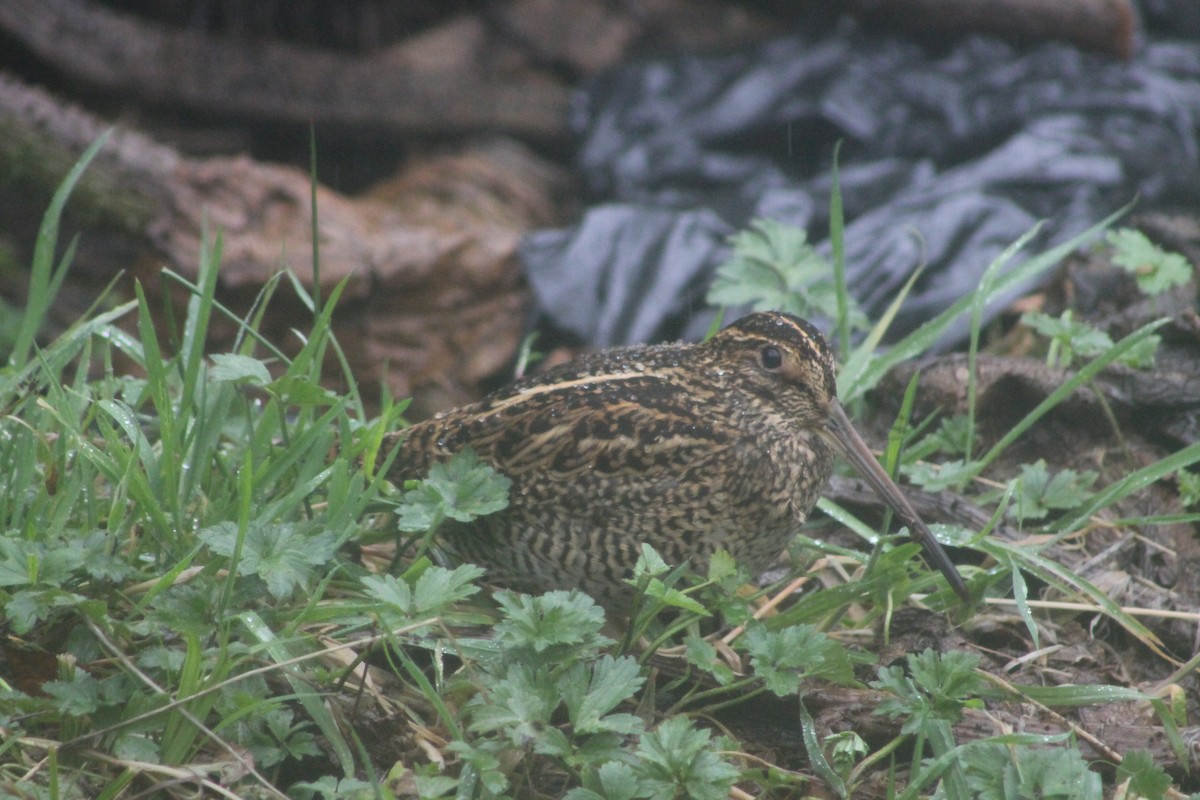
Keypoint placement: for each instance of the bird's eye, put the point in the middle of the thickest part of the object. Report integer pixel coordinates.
(770, 357)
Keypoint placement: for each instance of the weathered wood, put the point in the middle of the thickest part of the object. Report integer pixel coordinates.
(420, 87)
(434, 298)
(1106, 26)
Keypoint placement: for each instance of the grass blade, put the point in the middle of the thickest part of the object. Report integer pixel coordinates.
(837, 245)
(280, 652)
(44, 281)
(1091, 370)
(1131, 483)
(924, 337)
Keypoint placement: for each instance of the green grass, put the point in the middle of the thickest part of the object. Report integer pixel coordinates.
(201, 591)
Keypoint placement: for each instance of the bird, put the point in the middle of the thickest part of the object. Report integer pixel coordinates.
(692, 448)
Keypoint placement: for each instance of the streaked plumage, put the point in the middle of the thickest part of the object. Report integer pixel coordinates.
(692, 448)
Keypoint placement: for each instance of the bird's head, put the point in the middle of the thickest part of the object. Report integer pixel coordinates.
(787, 366)
(782, 362)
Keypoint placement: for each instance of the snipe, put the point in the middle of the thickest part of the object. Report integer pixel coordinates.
(689, 447)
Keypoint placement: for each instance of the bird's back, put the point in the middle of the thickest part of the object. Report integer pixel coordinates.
(643, 444)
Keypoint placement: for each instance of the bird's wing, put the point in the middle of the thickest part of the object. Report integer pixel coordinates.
(637, 434)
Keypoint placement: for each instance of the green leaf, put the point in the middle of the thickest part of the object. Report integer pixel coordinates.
(300, 390)
(102, 558)
(1155, 270)
(677, 761)
(1082, 337)
(612, 781)
(435, 589)
(161, 658)
(1146, 779)
(553, 619)
(1001, 772)
(613, 681)
(273, 737)
(1070, 338)
(933, 690)
(950, 676)
(703, 654)
(721, 565)
(783, 658)
(462, 489)
(572, 685)
(27, 607)
(1142, 355)
(390, 590)
(283, 554)
(18, 562)
(438, 587)
(673, 597)
(233, 368)
(49, 562)
(482, 759)
(77, 697)
(935, 477)
(1037, 492)
(433, 785)
(1189, 488)
(950, 437)
(137, 747)
(327, 787)
(773, 267)
(649, 563)
(846, 749)
(518, 705)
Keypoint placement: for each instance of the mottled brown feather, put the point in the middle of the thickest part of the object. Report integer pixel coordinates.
(689, 447)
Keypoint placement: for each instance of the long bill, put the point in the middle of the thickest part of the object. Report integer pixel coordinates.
(846, 439)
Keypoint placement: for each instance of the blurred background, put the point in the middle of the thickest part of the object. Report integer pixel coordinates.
(576, 166)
